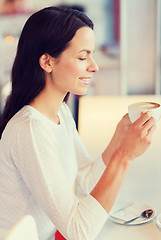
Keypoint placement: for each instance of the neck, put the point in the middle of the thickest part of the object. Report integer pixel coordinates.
(48, 103)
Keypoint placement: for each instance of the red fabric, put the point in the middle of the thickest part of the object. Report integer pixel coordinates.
(58, 236)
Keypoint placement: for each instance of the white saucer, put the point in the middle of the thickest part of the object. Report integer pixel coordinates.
(125, 211)
(158, 220)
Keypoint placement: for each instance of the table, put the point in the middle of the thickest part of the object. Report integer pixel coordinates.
(98, 116)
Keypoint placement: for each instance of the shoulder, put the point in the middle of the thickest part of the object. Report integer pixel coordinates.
(24, 117)
(25, 121)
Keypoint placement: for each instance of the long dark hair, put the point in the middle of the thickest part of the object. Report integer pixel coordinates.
(46, 31)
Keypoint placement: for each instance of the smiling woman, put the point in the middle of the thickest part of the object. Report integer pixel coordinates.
(41, 153)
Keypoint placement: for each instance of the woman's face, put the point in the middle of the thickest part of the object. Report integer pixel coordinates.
(74, 68)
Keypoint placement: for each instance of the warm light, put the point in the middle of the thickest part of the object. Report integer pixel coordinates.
(9, 38)
(5, 91)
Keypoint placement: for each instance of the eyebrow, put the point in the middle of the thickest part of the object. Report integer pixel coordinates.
(85, 50)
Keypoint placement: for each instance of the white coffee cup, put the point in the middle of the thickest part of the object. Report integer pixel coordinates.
(136, 109)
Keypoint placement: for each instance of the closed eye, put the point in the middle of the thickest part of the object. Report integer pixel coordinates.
(82, 59)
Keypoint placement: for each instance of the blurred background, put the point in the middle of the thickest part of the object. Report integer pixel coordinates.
(127, 44)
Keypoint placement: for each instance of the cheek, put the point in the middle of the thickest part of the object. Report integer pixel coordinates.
(73, 69)
(68, 72)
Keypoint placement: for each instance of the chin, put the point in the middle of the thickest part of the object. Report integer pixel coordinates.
(81, 92)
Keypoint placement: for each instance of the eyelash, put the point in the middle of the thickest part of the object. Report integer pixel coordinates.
(82, 59)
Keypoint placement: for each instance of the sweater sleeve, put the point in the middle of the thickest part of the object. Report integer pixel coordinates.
(37, 159)
(89, 170)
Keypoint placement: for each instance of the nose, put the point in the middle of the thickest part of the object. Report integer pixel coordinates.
(93, 67)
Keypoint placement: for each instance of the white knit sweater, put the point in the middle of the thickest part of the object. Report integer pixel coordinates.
(39, 163)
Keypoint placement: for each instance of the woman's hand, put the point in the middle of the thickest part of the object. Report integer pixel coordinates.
(118, 136)
(138, 137)
(122, 128)
(128, 137)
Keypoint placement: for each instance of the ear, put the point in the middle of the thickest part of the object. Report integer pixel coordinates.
(45, 62)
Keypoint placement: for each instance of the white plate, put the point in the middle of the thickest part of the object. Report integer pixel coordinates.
(125, 211)
(158, 220)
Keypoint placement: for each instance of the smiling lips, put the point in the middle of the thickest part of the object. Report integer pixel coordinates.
(85, 80)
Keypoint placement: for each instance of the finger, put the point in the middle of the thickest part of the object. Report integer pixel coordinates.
(126, 119)
(151, 130)
(143, 118)
(126, 116)
(148, 124)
